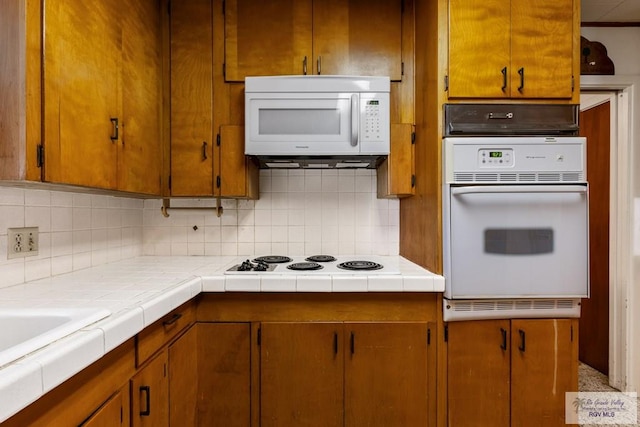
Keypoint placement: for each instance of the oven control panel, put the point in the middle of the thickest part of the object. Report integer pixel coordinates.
(495, 157)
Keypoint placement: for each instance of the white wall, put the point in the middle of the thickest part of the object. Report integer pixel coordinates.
(622, 46)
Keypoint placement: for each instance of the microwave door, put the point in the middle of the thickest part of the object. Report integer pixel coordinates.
(301, 127)
(518, 241)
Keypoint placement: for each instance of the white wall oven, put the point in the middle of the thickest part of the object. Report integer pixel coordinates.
(515, 215)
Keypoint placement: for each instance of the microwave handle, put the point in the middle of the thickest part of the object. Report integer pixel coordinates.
(355, 115)
(520, 189)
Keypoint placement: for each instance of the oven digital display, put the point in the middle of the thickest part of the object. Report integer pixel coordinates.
(495, 154)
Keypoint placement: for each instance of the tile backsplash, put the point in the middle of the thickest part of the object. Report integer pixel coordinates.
(76, 231)
(299, 213)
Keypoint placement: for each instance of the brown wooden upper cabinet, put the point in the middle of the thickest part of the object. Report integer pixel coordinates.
(289, 37)
(511, 49)
(102, 85)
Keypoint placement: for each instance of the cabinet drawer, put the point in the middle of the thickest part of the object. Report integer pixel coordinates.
(154, 337)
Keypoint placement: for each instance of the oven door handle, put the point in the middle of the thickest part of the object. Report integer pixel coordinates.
(486, 189)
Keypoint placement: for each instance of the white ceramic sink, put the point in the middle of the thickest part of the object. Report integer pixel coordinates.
(24, 330)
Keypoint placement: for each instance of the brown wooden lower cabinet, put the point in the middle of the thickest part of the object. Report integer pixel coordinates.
(150, 394)
(343, 374)
(511, 372)
(114, 412)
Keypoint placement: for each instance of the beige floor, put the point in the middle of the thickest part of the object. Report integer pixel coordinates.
(591, 380)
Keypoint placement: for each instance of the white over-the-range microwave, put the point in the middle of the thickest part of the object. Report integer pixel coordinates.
(317, 121)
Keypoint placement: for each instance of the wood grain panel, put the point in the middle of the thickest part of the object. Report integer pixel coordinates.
(81, 91)
(183, 380)
(358, 37)
(150, 407)
(301, 374)
(542, 46)
(139, 156)
(192, 136)
(595, 125)
(478, 374)
(386, 374)
(543, 371)
(266, 38)
(395, 174)
(20, 85)
(158, 334)
(479, 48)
(292, 307)
(224, 366)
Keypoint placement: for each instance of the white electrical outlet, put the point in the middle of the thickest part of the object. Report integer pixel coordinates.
(22, 242)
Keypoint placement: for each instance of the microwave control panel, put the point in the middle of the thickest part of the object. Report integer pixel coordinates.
(371, 130)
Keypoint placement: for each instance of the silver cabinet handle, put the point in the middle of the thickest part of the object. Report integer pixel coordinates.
(355, 115)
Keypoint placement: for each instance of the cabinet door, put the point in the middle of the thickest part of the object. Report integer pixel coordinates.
(478, 373)
(542, 49)
(544, 362)
(386, 374)
(183, 380)
(238, 174)
(112, 413)
(266, 38)
(191, 98)
(479, 48)
(224, 370)
(150, 394)
(140, 127)
(301, 374)
(81, 91)
(358, 37)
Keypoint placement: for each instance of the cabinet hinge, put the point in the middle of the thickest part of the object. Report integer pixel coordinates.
(446, 83)
(428, 336)
(446, 333)
(218, 181)
(413, 138)
(259, 336)
(218, 140)
(413, 181)
(40, 155)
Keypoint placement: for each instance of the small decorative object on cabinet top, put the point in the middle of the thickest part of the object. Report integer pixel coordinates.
(594, 58)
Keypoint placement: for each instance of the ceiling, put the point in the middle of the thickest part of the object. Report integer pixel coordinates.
(610, 11)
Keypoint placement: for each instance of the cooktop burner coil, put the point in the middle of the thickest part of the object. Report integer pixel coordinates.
(360, 265)
(273, 259)
(304, 266)
(321, 258)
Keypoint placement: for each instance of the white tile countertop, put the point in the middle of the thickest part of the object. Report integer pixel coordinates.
(140, 291)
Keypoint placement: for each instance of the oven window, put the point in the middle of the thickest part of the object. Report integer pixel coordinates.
(518, 241)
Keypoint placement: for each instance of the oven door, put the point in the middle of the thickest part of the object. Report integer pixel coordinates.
(516, 241)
